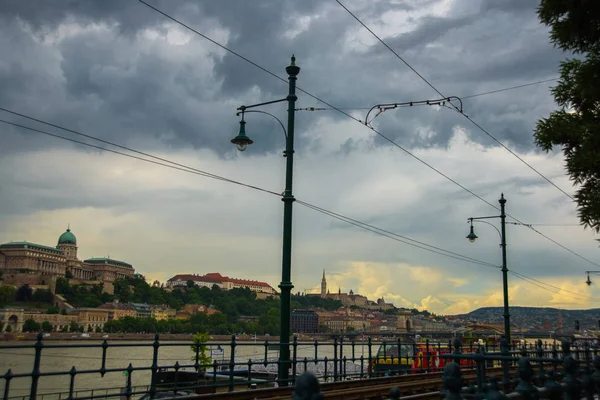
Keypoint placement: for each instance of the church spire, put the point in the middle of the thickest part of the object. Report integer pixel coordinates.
(324, 285)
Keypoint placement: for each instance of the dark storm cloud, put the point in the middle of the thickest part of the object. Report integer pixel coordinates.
(44, 16)
(106, 83)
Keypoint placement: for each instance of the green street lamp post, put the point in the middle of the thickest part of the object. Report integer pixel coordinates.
(242, 141)
(472, 236)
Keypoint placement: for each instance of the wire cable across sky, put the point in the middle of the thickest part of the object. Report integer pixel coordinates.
(458, 110)
(371, 128)
(185, 168)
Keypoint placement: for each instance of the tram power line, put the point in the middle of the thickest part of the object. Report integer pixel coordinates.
(185, 168)
(369, 127)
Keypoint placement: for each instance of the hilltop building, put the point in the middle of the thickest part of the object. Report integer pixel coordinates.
(39, 265)
(352, 299)
(223, 282)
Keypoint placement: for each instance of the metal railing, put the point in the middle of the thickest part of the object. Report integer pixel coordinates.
(234, 365)
(539, 373)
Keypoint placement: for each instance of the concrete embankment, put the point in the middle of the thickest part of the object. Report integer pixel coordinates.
(134, 336)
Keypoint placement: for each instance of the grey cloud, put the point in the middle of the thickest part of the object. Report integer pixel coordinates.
(511, 6)
(110, 89)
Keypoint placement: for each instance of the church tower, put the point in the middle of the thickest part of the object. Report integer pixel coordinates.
(323, 286)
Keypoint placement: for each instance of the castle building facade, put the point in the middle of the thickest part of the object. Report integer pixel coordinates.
(352, 299)
(40, 265)
(223, 282)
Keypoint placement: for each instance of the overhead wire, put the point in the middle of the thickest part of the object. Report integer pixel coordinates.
(552, 288)
(320, 100)
(393, 235)
(483, 130)
(456, 108)
(176, 166)
(182, 167)
(461, 97)
(185, 168)
(370, 127)
(509, 88)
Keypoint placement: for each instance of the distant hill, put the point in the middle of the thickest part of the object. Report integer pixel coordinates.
(536, 317)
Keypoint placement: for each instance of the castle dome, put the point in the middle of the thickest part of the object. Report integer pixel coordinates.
(67, 238)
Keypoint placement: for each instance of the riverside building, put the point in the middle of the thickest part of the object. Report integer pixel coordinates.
(39, 265)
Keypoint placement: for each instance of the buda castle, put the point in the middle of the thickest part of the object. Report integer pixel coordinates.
(39, 266)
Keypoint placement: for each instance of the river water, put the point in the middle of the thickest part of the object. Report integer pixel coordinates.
(139, 354)
(84, 358)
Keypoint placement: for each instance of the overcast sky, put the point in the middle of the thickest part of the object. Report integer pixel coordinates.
(120, 71)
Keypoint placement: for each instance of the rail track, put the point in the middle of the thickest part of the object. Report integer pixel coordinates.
(414, 387)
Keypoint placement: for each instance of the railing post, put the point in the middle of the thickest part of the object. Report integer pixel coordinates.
(154, 367)
(72, 374)
(369, 347)
(7, 377)
(505, 367)
(553, 388)
(335, 359)
(307, 388)
(340, 369)
(453, 381)
(399, 344)
(427, 357)
(541, 378)
(457, 347)
(493, 392)
(128, 385)
(232, 363)
(573, 385)
(480, 366)
(294, 359)
(587, 379)
(595, 375)
(525, 388)
(35, 374)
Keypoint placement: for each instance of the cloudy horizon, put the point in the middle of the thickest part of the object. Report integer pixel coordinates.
(121, 72)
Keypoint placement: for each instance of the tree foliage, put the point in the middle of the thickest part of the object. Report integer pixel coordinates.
(82, 295)
(31, 326)
(199, 348)
(575, 27)
(7, 294)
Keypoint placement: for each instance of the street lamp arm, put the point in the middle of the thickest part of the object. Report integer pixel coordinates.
(244, 108)
(264, 112)
(492, 225)
(390, 106)
(478, 218)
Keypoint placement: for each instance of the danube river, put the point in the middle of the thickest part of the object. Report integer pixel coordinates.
(80, 354)
(90, 358)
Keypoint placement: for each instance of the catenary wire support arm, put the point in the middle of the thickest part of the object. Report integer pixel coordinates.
(381, 108)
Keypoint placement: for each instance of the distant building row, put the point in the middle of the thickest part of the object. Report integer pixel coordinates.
(39, 265)
(345, 320)
(223, 282)
(92, 319)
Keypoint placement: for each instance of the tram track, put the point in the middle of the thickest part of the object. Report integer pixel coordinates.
(424, 386)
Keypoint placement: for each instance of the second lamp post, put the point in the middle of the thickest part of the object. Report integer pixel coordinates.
(472, 236)
(242, 141)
